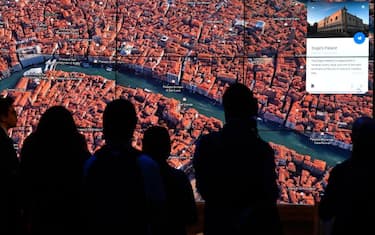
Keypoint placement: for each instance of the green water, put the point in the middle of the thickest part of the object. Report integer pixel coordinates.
(270, 132)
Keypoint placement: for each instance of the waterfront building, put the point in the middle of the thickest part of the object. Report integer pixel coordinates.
(341, 22)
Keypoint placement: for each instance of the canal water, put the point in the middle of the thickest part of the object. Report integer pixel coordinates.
(269, 131)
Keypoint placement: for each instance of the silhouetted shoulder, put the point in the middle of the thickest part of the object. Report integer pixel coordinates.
(102, 152)
(342, 167)
(209, 139)
(178, 173)
(29, 139)
(107, 152)
(82, 140)
(175, 178)
(179, 176)
(27, 146)
(266, 146)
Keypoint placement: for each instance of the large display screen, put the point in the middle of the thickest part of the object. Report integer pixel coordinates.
(309, 63)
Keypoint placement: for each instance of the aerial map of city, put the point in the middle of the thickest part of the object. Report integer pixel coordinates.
(174, 59)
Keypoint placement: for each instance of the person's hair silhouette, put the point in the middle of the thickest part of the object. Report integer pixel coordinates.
(9, 165)
(235, 171)
(57, 122)
(5, 104)
(362, 139)
(181, 208)
(51, 170)
(156, 143)
(118, 181)
(346, 206)
(119, 121)
(239, 102)
(8, 115)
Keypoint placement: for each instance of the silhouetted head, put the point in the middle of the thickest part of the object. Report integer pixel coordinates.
(119, 121)
(239, 102)
(156, 143)
(57, 122)
(364, 139)
(357, 125)
(8, 115)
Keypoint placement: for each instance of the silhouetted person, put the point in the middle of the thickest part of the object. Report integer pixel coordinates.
(125, 193)
(51, 169)
(235, 172)
(348, 201)
(181, 207)
(8, 169)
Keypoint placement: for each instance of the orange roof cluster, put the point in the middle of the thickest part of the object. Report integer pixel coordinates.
(300, 178)
(178, 43)
(86, 96)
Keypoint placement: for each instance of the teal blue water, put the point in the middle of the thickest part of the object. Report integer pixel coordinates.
(270, 132)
